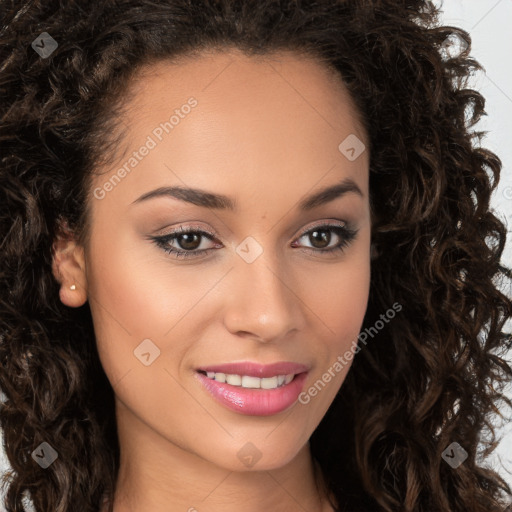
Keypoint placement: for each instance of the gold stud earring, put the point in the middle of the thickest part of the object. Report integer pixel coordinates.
(72, 287)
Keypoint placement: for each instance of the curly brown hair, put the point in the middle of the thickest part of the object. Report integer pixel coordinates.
(437, 373)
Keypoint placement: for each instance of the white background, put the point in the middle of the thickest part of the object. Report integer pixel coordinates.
(488, 22)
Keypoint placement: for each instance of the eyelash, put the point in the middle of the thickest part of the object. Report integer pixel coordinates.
(346, 234)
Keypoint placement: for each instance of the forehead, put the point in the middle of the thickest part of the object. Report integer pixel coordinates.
(256, 121)
(229, 79)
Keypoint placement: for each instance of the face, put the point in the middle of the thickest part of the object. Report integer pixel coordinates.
(263, 285)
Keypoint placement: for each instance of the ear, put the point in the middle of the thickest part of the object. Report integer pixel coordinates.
(68, 267)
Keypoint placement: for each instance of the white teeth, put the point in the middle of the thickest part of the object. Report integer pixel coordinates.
(234, 380)
(219, 377)
(250, 382)
(269, 383)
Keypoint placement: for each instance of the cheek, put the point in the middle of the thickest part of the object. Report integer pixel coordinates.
(348, 300)
(135, 287)
(338, 294)
(130, 300)
(341, 310)
(137, 294)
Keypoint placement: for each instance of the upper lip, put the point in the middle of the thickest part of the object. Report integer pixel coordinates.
(255, 369)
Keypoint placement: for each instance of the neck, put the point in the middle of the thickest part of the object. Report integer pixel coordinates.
(161, 476)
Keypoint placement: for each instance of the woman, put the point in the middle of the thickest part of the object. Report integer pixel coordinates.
(244, 259)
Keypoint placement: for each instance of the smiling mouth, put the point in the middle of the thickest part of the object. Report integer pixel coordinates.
(250, 382)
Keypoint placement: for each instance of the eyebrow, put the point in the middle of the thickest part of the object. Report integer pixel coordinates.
(221, 202)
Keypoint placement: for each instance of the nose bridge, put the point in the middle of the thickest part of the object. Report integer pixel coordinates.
(264, 301)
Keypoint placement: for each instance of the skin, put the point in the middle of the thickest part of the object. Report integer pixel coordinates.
(265, 132)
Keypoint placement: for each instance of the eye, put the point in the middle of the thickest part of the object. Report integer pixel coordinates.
(189, 239)
(321, 237)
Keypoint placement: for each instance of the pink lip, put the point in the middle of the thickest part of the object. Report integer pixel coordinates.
(255, 369)
(254, 402)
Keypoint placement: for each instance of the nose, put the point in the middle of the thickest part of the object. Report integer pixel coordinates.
(265, 300)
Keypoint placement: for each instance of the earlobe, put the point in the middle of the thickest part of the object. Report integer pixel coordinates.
(68, 268)
(73, 296)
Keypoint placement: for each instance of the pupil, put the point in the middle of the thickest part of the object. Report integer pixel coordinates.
(325, 236)
(188, 237)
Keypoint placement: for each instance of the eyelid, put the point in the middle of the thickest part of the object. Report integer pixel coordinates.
(185, 229)
(194, 227)
(322, 223)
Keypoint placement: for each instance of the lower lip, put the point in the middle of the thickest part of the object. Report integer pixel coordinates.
(254, 402)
